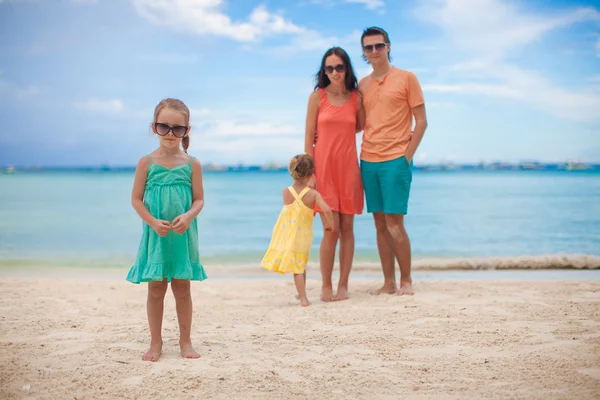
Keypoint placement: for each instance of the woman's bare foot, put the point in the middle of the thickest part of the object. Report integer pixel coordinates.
(304, 302)
(153, 354)
(187, 351)
(326, 294)
(405, 289)
(385, 289)
(342, 294)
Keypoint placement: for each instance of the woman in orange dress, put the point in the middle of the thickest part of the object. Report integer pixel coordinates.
(335, 114)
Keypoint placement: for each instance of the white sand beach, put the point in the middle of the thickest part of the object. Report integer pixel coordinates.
(82, 337)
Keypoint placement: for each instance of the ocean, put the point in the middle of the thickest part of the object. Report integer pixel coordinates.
(523, 219)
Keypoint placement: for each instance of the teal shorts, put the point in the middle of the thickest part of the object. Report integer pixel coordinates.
(387, 185)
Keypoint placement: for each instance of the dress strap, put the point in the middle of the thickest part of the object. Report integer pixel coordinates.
(191, 161)
(303, 192)
(298, 196)
(149, 159)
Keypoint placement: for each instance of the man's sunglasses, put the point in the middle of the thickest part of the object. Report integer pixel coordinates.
(377, 46)
(339, 68)
(164, 129)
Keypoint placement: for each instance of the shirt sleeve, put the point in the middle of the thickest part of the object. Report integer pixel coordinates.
(415, 94)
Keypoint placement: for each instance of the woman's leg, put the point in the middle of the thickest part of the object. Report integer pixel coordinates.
(346, 254)
(327, 257)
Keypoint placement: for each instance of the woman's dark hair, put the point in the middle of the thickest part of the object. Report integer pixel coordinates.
(321, 77)
(374, 31)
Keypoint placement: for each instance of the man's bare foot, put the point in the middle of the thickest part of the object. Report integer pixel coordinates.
(405, 289)
(187, 351)
(153, 354)
(304, 302)
(342, 294)
(385, 289)
(326, 294)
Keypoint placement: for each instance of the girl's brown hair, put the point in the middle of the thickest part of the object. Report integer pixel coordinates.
(301, 166)
(177, 105)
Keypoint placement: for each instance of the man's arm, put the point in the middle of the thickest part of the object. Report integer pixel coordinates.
(416, 102)
(417, 136)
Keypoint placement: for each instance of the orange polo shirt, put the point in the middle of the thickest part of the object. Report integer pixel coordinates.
(388, 105)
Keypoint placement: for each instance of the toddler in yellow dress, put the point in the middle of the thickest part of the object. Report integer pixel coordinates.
(293, 233)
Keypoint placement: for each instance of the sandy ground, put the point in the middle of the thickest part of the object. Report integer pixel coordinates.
(82, 338)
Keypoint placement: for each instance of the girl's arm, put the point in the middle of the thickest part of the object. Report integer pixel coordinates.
(181, 223)
(137, 199)
(311, 122)
(328, 215)
(360, 113)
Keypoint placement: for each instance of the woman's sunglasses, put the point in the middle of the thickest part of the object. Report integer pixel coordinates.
(377, 46)
(164, 129)
(339, 68)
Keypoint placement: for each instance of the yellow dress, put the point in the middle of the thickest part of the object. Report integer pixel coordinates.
(292, 237)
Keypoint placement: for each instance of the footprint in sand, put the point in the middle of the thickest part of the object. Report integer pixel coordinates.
(71, 350)
(591, 372)
(133, 380)
(130, 346)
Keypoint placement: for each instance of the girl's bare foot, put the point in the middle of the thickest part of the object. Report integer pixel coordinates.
(187, 351)
(342, 294)
(153, 354)
(326, 294)
(405, 289)
(385, 289)
(304, 302)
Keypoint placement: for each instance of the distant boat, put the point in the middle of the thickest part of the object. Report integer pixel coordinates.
(9, 170)
(530, 165)
(575, 165)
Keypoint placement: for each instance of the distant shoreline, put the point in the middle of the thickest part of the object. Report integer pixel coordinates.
(570, 166)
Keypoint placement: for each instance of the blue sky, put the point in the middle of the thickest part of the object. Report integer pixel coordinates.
(503, 80)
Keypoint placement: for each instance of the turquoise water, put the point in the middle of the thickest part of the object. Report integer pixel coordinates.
(54, 217)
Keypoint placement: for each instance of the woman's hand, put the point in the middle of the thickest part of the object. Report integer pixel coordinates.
(181, 223)
(161, 227)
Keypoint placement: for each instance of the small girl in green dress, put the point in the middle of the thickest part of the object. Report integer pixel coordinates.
(168, 196)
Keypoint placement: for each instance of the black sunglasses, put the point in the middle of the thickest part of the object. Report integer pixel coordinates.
(377, 46)
(339, 68)
(179, 131)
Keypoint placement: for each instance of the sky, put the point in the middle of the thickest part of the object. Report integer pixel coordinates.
(503, 80)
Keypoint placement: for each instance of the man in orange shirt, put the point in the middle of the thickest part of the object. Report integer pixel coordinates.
(392, 98)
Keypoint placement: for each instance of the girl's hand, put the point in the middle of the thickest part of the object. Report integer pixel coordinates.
(161, 227)
(181, 223)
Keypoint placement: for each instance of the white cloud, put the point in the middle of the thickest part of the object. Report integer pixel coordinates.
(113, 106)
(206, 17)
(9, 89)
(370, 4)
(487, 33)
(495, 26)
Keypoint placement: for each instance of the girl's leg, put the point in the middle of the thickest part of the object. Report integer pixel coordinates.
(346, 254)
(183, 305)
(300, 282)
(154, 307)
(327, 257)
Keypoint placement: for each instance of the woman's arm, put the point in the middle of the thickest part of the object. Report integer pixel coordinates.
(360, 113)
(311, 122)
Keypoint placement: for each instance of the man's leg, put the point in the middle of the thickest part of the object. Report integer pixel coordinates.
(396, 179)
(401, 249)
(386, 255)
(371, 182)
